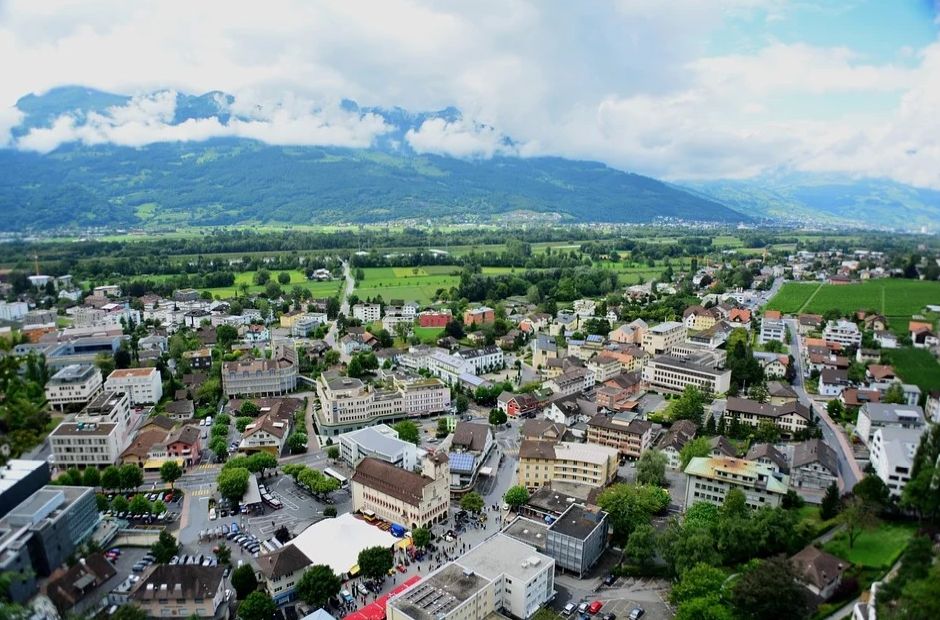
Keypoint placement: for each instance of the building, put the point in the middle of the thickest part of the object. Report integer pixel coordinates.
(13, 310)
(482, 360)
(710, 479)
(845, 333)
(499, 576)
(772, 329)
(435, 318)
(267, 433)
(367, 313)
(572, 381)
(281, 570)
(659, 339)
(182, 591)
(75, 384)
(405, 497)
(482, 315)
(670, 374)
(143, 385)
(70, 588)
(698, 318)
(604, 367)
(892, 454)
(304, 324)
(630, 439)
(544, 348)
(819, 571)
(40, 533)
(679, 434)
(542, 462)
(791, 417)
(470, 445)
(813, 465)
(517, 405)
(262, 377)
(577, 539)
(200, 359)
(379, 442)
(19, 479)
(832, 381)
(97, 436)
(873, 416)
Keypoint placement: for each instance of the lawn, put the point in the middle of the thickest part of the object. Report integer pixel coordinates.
(895, 298)
(916, 366)
(405, 283)
(877, 548)
(429, 334)
(297, 278)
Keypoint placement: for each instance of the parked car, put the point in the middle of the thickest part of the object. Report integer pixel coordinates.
(594, 607)
(637, 613)
(582, 608)
(569, 609)
(610, 616)
(610, 579)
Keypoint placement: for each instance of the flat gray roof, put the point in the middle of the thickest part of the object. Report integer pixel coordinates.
(577, 522)
(528, 531)
(440, 593)
(501, 555)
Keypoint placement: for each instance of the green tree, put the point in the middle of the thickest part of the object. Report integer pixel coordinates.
(261, 277)
(421, 537)
(408, 431)
(698, 447)
(894, 395)
(317, 585)
(835, 409)
(329, 511)
(516, 496)
(442, 428)
(704, 608)
(242, 422)
(641, 546)
(244, 581)
(233, 482)
(332, 452)
(132, 476)
(375, 562)
(218, 447)
(248, 408)
(690, 405)
(630, 505)
(139, 505)
(700, 581)
(471, 502)
(873, 491)
(91, 477)
(225, 335)
(223, 554)
(165, 548)
(119, 504)
(257, 606)
(102, 502)
(651, 468)
(261, 461)
(770, 589)
(170, 472)
(497, 417)
(461, 404)
(283, 277)
(297, 442)
(856, 517)
(129, 612)
(831, 503)
(111, 477)
(157, 507)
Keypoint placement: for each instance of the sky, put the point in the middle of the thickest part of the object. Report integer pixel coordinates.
(677, 89)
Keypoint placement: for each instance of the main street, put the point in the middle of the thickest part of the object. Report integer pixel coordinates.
(849, 470)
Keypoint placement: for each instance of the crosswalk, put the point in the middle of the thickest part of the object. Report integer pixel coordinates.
(204, 490)
(205, 467)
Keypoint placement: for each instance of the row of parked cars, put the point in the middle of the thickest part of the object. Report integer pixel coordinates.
(143, 563)
(193, 560)
(268, 498)
(248, 542)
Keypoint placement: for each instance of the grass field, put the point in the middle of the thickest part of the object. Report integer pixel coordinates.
(877, 548)
(916, 366)
(428, 334)
(405, 283)
(895, 298)
(297, 278)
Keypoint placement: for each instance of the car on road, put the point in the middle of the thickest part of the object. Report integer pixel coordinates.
(569, 609)
(594, 607)
(636, 613)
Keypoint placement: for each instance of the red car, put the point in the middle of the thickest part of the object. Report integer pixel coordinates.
(401, 568)
(594, 607)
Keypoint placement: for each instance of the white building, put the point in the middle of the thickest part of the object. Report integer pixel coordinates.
(379, 442)
(367, 313)
(142, 384)
(501, 575)
(672, 374)
(661, 338)
(262, 377)
(13, 311)
(872, 416)
(892, 455)
(305, 324)
(74, 384)
(772, 329)
(710, 479)
(842, 332)
(97, 436)
(482, 360)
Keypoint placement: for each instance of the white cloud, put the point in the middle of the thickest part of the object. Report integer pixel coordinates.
(460, 138)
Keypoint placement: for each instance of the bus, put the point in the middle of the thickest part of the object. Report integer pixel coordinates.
(332, 473)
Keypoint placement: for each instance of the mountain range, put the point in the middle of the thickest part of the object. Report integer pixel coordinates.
(223, 177)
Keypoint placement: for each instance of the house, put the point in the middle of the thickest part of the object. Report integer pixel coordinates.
(880, 372)
(875, 322)
(767, 454)
(887, 340)
(711, 478)
(470, 445)
(865, 356)
(281, 571)
(873, 416)
(791, 417)
(780, 393)
(740, 317)
(435, 318)
(722, 446)
(517, 405)
(631, 333)
(833, 381)
(631, 439)
(367, 313)
(544, 348)
(819, 571)
(67, 586)
(267, 433)
(775, 365)
(571, 382)
(543, 430)
(808, 323)
(698, 318)
(679, 434)
(892, 454)
(932, 407)
(604, 367)
(200, 359)
(570, 409)
(842, 332)
(813, 465)
(183, 591)
(856, 397)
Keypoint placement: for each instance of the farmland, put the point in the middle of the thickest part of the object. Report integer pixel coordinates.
(916, 366)
(297, 278)
(895, 298)
(406, 283)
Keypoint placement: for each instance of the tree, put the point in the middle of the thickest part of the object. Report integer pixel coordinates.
(262, 277)
(769, 589)
(698, 447)
(248, 408)
(111, 477)
(375, 562)
(242, 422)
(132, 476)
(157, 507)
(471, 502)
(129, 612)
(894, 395)
(233, 482)
(165, 548)
(170, 472)
(497, 417)
(651, 468)
(690, 405)
(354, 367)
(408, 431)
(329, 511)
(297, 442)
(629, 505)
(857, 516)
(516, 496)
(223, 554)
(454, 329)
(244, 581)
(442, 428)
(920, 493)
(699, 581)
(421, 537)
(91, 477)
(225, 335)
(641, 546)
(283, 277)
(261, 461)
(835, 409)
(831, 503)
(218, 447)
(317, 585)
(461, 404)
(704, 608)
(140, 505)
(119, 504)
(759, 392)
(332, 452)
(257, 606)
(873, 491)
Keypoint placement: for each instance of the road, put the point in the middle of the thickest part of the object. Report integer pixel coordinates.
(331, 335)
(849, 471)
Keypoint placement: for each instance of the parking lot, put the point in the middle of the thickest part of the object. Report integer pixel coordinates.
(620, 598)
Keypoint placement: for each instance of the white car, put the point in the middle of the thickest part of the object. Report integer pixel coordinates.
(569, 609)
(212, 514)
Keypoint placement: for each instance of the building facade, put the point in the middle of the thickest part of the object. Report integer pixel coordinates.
(711, 478)
(143, 385)
(404, 497)
(670, 374)
(75, 384)
(542, 462)
(630, 439)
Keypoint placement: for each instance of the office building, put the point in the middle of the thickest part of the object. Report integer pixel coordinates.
(75, 384)
(659, 339)
(892, 455)
(97, 435)
(772, 329)
(577, 538)
(543, 462)
(670, 374)
(630, 438)
(379, 442)
(143, 385)
(790, 418)
(262, 377)
(19, 479)
(710, 479)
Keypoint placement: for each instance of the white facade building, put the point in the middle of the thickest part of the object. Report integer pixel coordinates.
(842, 332)
(892, 455)
(74, 384)
(13, 311)
(772, 329)
(97, 436)
(143, 385)
(367, 313)
(379, 442)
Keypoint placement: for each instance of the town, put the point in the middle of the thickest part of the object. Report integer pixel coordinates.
(260, 451)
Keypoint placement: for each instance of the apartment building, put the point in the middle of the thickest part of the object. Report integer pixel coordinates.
(281, 570)
(13, 310)
(772, 329)
(435, 318)
(710, 479)
(659, 339)
(603, 367)
(542, 462)
(671, 374)
(842, 332)
(200, 359)
(400, 496)
(379, 442)
(98, 434)
(501, 577)
(813, 465)
(630, 438)
(572, 381)
(791, 417)
(262, 377)
(478, 316)
(143, 386)
(873, 416)
(182, 591)
(482, 360)
(367, 313)
(892, 455)
(75, 384)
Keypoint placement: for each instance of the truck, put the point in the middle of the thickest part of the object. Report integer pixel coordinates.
(397, 530)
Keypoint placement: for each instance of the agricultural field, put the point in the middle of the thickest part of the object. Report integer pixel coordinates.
(916, 366)
(895, 298)
(405, 283)
(297, 278)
